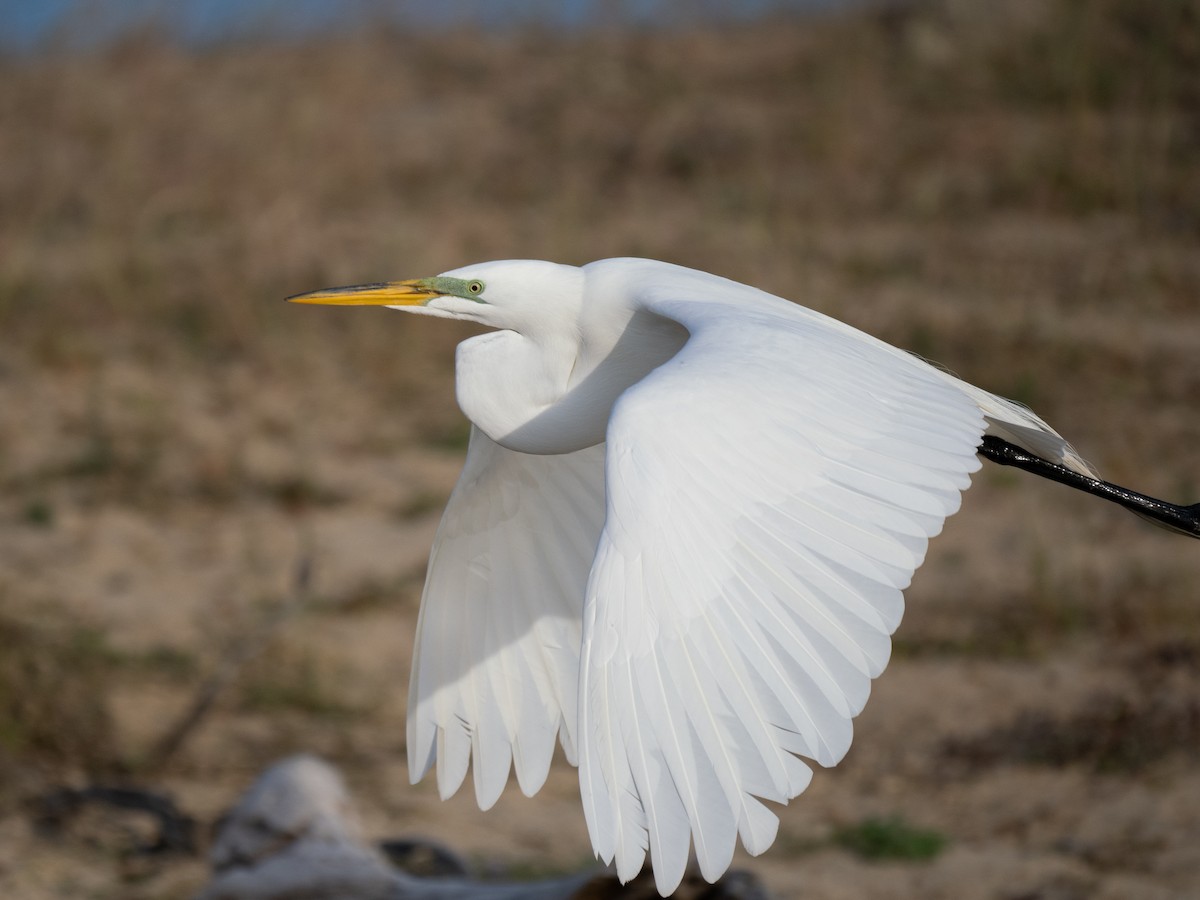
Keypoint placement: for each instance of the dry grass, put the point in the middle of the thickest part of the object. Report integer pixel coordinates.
(1012, 189)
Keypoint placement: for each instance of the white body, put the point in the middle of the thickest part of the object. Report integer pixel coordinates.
(678, 545)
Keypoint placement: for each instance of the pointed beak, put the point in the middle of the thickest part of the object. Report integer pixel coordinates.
(415, 292)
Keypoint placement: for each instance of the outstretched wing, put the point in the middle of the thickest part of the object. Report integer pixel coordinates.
(496, 665)
(770, 491)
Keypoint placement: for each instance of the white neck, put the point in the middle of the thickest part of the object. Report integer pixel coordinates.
(551, 390)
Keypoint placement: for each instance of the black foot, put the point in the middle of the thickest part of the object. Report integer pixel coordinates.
(1183, 519)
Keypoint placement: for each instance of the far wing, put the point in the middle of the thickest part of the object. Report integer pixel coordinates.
(497, 655)
(770, 492)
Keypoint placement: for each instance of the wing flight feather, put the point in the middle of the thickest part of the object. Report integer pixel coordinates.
(770, 491)
(496, 664)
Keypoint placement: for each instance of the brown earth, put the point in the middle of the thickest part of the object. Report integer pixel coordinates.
(1014, 193)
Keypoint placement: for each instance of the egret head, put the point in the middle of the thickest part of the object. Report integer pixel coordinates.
(520, 295)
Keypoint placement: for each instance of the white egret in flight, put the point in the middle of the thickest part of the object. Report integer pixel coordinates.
(679, 541)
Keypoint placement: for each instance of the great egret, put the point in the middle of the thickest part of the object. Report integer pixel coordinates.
(679, 541)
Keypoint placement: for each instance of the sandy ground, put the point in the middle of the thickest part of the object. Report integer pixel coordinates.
(175, 442)
(1033, 601)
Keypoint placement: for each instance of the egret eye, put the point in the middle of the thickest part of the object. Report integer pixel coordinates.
(475, 287)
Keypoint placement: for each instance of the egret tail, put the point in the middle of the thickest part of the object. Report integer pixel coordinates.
(1183, 519)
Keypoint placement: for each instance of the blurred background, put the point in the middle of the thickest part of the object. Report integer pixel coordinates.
(216, 508)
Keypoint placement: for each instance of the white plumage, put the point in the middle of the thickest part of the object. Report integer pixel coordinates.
(679, 543)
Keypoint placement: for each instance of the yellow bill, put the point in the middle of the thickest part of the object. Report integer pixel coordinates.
(415, 292)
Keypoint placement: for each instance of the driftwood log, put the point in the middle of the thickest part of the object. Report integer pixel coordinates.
(294, 835)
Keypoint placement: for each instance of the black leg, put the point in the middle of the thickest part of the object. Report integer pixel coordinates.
(1184, 519)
